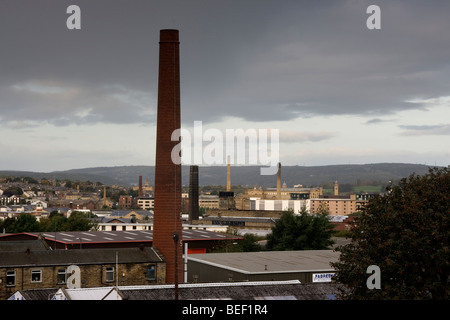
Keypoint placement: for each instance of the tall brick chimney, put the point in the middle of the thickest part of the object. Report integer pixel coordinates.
(167, 207)
(140, 193)
(193, 193)
(279, 181)
(228, 175)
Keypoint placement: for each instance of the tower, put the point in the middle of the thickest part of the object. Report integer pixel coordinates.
(193, 193)
(140, 187)
(228, 175)
(167, 207)
(279, 181)
(336, 188)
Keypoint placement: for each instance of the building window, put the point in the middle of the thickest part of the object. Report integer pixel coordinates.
(110, 274)
(10, 278)
(61, 276)
(151, 272)
(36, 276)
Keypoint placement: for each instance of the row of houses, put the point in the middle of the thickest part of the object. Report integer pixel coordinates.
(59, 263)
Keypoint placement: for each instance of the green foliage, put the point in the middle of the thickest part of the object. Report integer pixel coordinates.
(248, 243)
(77, 221)
(13, 191)
(301, 232)
(25, 223)
(407, 235)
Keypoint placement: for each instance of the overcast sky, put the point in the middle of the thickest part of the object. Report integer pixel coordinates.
(338, 92)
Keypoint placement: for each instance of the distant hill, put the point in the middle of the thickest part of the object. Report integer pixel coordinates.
(377, 173)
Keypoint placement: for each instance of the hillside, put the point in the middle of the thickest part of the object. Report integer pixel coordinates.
(377, 173)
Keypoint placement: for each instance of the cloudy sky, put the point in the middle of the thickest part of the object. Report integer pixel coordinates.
(337, 91)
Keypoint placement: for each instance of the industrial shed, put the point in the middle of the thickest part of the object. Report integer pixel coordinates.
(198, 241)
(308, 266)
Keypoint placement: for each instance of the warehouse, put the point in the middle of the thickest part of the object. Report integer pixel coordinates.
(308, 266)
(198, 241)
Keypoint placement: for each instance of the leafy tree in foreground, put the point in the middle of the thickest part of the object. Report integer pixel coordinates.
(406, 233)
(302, 231)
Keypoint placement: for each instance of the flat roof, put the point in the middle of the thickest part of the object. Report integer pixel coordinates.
(270, 261)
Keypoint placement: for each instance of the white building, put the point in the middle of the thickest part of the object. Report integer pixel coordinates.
(279, 205)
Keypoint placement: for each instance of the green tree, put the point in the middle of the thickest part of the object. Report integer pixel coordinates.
(78, 221)
(54, 223)
(301, 231)
(25, 223)
(406, 233)
(249, 243)
(13, 191)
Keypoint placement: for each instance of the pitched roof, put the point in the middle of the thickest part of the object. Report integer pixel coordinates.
(258, 290)
(80, 257)
(261, 290)
(77, 237)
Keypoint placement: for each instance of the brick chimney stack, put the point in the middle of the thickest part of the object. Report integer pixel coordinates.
(140, 193)
(228, 175)
(167, 208)
(193, 193)
(279, 181)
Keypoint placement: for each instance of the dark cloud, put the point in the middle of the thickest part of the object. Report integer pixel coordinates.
(256, 60)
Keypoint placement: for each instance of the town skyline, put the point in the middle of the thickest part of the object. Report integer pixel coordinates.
(337, 91)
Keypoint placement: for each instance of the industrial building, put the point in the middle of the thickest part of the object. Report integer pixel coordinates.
(198, 241)
(307, 266)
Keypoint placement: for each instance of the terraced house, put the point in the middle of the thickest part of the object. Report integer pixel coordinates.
(33, 265)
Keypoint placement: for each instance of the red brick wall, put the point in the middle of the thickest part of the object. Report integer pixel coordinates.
(167, 211)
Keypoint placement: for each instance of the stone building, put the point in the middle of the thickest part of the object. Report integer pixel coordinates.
(30, 265)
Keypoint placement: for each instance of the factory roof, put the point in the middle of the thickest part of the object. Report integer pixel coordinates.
(270, 261)
(85, 237)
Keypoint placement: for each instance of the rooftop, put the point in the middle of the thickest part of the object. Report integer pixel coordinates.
(261, 290)
(270, 261)
(79, 257)
(80, 237)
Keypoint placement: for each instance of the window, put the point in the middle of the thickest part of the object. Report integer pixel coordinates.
(110, 274)
(61, 276)
(36, 276)
(10, 278)
(151, 272)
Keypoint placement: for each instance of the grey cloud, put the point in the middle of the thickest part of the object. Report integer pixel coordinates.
(419, 130)
(62, 104)
(294, 136)
(256, 60)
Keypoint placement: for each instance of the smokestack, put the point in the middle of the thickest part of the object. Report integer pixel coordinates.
(140, 187)
(228, 176)
(193, 194)
(279, 181)
(167, 210)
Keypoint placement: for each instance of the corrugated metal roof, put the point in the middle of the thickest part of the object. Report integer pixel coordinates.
(77, 237)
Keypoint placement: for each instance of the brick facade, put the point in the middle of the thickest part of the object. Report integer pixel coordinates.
(167, 211)
(98, 268)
